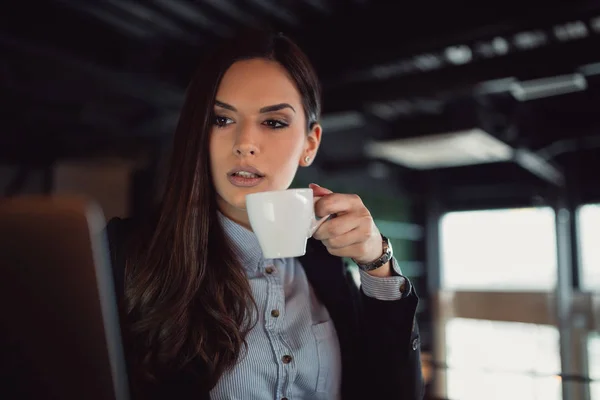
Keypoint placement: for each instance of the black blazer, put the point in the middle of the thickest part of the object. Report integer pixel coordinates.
(379, 340)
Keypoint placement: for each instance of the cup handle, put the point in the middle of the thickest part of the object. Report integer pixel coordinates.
(316, 223)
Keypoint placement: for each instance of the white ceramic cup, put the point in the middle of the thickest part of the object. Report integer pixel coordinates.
(283, 221)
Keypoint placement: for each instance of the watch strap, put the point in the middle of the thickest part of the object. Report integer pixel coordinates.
(384, 259)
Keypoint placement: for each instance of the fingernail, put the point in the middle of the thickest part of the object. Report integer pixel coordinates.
(314, 184)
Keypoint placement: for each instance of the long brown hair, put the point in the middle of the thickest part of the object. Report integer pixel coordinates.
(187, 297)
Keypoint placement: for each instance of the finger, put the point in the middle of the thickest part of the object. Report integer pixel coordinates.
(355, 236)
(338, 226)
(349, 251)
(318, 190)
(338, 203)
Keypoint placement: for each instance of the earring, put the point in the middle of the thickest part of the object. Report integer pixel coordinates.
(306, 159)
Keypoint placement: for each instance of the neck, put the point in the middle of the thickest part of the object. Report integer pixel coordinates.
(237, 215)
(243, 221)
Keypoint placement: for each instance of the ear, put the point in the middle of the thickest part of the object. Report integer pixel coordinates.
(311, 145)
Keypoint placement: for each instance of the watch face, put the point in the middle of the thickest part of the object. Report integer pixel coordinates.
(387, 243)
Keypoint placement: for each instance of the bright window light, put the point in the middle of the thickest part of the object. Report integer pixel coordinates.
(589, 233)
(502, 360)
(501, 250)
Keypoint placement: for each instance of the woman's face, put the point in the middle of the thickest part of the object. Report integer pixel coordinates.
(259, 136)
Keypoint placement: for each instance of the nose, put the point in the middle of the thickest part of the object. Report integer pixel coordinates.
(245, 149)
(245, 144)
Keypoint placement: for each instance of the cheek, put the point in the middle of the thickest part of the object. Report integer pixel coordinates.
(292, 145)
(288, 152)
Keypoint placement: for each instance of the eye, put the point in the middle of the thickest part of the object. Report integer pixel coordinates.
(222, 122)
(275, 124)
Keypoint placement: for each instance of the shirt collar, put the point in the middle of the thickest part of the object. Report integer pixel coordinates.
(245, 243)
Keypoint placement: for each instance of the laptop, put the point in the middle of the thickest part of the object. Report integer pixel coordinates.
(59, 326)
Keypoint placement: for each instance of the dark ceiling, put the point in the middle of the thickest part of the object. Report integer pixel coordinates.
(85, 78)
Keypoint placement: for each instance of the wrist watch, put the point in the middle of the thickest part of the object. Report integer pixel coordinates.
(384, 259)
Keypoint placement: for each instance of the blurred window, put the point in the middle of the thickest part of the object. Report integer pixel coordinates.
(589, 233)
(506, 249)
(502, 360)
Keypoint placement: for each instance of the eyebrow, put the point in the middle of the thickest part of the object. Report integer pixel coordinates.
(275, 107)
(225, 105)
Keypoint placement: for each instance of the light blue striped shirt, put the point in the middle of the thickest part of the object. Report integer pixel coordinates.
(293, 350)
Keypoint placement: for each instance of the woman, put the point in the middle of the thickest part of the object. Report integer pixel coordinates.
(204, 314)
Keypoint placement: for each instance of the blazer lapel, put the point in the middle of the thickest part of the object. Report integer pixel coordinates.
(332, 284)
(324, 271)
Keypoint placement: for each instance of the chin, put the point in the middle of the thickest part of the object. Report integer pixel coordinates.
(237, 200)
(235, 197)
(240, 203)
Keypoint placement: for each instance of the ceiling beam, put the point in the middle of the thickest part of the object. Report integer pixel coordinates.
(232, 10)
(321, 6)
(465, 79)
(358, 42)
(539, 167)
(154, 19)
(193, 15)
(137, 29)
(276, 10)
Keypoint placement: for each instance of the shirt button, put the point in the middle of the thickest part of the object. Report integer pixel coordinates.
(286, 359)
(269, 270)
(403, 287)
(415, 344)
(274, 313)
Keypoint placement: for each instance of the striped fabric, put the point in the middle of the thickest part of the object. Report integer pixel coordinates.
(293, 350)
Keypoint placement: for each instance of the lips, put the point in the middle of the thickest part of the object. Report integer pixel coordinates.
(246, 172)
(245, 176)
